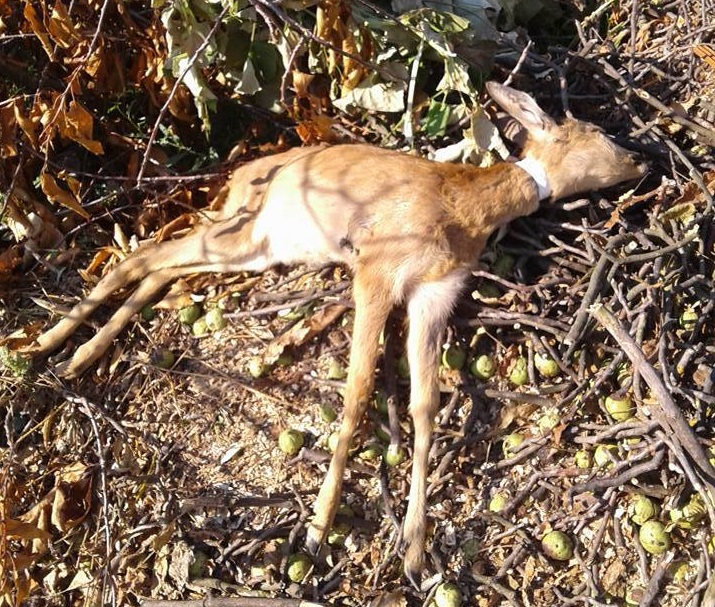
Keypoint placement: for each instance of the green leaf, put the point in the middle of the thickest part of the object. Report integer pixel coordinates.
(436, 119)
(267, 61)
(456, 77)
(376, 96)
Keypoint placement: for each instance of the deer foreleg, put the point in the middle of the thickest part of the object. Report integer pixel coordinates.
(372, 306)
(145, 292)
(146, 260)
(90, 351)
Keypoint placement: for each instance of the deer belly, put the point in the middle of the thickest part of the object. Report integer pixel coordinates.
(298, 233)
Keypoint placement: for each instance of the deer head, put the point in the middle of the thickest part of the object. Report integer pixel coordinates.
(574, 156)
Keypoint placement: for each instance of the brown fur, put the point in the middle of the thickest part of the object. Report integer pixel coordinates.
(408, 228)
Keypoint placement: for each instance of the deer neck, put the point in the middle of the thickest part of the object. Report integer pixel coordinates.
(537, 172)
(480, 201)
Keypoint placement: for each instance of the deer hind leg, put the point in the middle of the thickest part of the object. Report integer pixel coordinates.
(373, 303)
(428, 309)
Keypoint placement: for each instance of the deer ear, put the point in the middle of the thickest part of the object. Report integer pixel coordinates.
(522, 107)
(511, 129)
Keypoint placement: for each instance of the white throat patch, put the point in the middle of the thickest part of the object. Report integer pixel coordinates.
(538, 174)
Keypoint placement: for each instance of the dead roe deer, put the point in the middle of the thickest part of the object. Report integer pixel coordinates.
(408, 228)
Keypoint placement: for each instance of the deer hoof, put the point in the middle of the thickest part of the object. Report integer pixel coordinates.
(414, 564)
(314, 539)
(68, 369)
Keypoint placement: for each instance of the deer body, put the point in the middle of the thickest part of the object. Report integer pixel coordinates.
(409, 229)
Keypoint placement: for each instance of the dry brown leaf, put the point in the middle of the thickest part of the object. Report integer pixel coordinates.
(613, 576)
(59, 195)
(179, 563)
(157, 541)
(22, 338)
(73, 496)
(29, 123)
(39, 516)
(99, 258)
(21, 530)
(18, 587)
(60, 26)
(78, 125)
(179, 296)
(301, 82)
(10, 259)
(316, 129)
(530, 570)
(38, 27)
(302, 331)
(8, 125)
(692, 192)
(183, 222)
(706, 52)
(557, 433)
(514, 411)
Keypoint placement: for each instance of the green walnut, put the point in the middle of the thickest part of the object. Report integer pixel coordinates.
(336, 370)
(164, 358)
(653, 537)
(511, 442)
(582, 459)
(256, 367)
(557, 545)
(148, 312)
(447, 595)
(642, 509)
(454, 357)
(518, 373)
(299, 566)
(483, 367)
(394, 455)
(546, 365)
(370, 452)
(620, 408)
(549, 420)
(605, 455)
(200, 327)
(290, 441)
(215, 320)
(498, 502)
(688, 319)
(327, 413)
(689, 515)
(188, 315)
